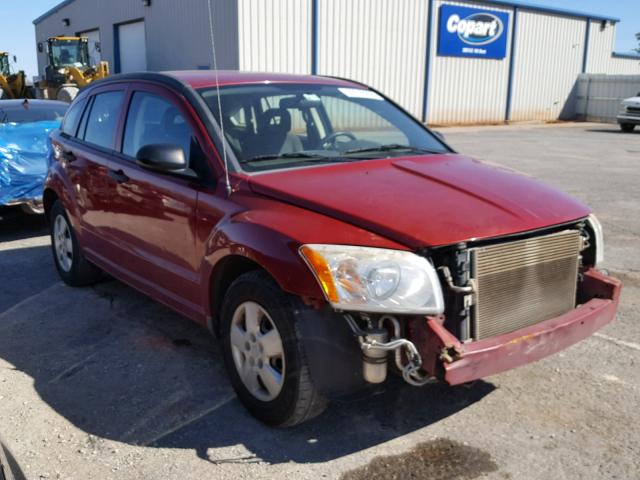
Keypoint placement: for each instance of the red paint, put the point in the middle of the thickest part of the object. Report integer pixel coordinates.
(497, 354)
(206, 78)
(424, 201)
(167, 236)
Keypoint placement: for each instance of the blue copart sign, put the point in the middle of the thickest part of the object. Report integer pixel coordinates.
(472, 32)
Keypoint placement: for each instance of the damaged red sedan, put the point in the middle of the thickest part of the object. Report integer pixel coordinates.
(321, 232)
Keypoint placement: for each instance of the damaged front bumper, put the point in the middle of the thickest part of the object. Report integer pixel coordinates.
(446, 357)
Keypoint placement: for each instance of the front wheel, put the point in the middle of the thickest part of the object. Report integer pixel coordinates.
(263, 354)
(70, 262)
(627, 127)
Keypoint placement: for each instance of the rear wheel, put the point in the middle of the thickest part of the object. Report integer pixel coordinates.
(627, 127)
(263, 355)
(70, 262)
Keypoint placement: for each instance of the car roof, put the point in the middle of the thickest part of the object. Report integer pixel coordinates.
(14, 103)
(207, 78)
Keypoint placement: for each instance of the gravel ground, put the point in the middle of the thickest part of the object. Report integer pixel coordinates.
(102, 383)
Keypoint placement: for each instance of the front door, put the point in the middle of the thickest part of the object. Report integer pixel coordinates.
(154, 214)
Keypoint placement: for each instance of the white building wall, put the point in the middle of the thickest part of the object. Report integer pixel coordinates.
(467, 90)
(600, 58)
(177, 33)
(275, 35)
(598, 97)
(549, 52)
(379, 42)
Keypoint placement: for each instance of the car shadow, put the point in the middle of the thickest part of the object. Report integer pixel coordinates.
(15, 225)
(613, 130)
(24, 272)
(122, 367)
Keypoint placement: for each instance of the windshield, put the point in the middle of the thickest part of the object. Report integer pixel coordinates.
(68, 53)
(282, 126)
(25, 112)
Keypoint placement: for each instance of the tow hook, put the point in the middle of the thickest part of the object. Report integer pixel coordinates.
(450, 354)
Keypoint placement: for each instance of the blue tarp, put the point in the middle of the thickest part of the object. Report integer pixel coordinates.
(24, 148)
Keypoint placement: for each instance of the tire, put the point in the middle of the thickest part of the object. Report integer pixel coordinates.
(297, 398)
(627, 127)
(67, 94)
(72, 266)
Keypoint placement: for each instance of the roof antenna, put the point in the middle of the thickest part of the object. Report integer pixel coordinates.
(215, 69)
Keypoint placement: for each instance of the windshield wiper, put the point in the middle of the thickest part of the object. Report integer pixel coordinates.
(289, 155)
(390, 147)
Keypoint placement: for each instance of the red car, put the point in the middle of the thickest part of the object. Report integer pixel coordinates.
(321, 232)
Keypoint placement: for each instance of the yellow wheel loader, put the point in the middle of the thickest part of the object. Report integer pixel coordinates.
(68, 69)
(12, 85)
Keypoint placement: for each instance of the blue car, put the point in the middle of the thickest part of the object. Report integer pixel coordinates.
(24, 146)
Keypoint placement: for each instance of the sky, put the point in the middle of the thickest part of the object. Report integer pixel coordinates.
(17, 34)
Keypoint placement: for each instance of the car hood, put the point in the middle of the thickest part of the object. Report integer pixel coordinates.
(635, 101)
(426, 200)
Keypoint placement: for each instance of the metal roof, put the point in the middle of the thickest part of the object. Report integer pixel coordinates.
(51, 11)
(541, 8)
(501, 3)
(632, 56)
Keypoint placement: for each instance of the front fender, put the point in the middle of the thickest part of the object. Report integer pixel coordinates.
(274, 251)
(270, 234)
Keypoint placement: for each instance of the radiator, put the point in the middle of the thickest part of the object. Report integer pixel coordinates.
(524, 282)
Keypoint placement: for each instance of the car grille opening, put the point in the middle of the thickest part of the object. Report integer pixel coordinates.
(633, 111)
(524, 282)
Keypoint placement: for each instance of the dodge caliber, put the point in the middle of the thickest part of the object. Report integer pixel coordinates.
(322, 233)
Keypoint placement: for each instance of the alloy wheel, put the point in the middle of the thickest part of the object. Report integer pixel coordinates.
(63, 243)
(258, 354)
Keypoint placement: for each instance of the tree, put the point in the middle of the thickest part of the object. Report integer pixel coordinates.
(637, 38)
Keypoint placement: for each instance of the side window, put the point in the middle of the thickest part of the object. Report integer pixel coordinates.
(103, 118)
(154, 120)
(72, 118)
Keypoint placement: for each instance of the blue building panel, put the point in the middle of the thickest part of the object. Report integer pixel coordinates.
(472, 32)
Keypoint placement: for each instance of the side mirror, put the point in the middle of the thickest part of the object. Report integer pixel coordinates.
(162, 157)
(15, 59)
(97, 46)
(40, 47)
(439, 135)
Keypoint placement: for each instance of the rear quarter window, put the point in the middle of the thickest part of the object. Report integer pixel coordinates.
(72, 118)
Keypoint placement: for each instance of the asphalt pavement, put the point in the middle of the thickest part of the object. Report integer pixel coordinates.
(103, 383)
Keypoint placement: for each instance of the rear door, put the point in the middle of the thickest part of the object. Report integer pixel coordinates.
(86, 144)
(154, 214)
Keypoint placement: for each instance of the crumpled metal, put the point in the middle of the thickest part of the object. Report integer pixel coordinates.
(24, 152)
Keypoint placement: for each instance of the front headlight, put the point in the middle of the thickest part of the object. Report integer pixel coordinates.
(375, 279)
(596, 227)
(623, 108)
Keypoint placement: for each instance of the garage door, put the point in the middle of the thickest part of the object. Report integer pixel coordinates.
(93, 37)
(132, 47)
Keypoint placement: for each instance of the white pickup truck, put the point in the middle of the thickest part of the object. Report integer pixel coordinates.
(629, 115)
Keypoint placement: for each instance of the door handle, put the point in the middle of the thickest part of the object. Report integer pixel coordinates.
(119, 176)
(69, 156)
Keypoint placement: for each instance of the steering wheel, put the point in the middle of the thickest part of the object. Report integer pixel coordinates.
(329, 142)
